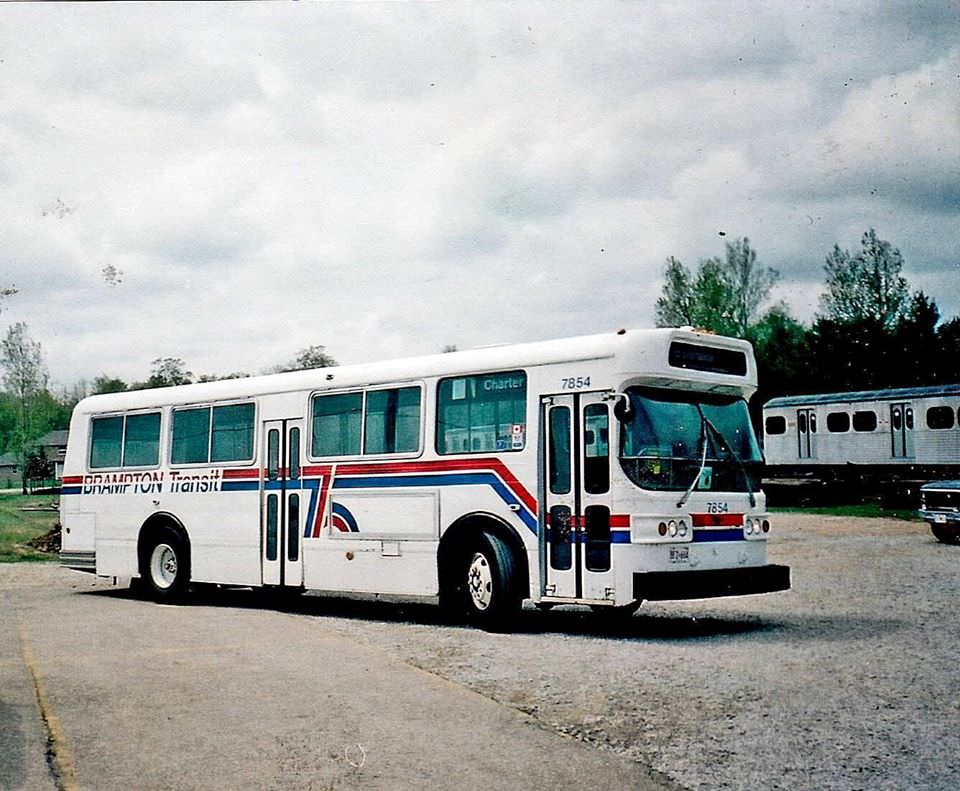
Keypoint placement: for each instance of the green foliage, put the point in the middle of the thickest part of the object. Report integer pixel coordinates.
(311, 357)
(25, 380)
(725, 296)
(866, 286)
(108, 384)
(166, 372)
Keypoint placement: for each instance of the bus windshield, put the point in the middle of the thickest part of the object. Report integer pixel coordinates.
(668, 438)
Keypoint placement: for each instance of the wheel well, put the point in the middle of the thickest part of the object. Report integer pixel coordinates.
(155, 525)
(458, 538)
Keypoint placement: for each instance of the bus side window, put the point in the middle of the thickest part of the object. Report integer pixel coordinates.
(106, 441)
(336, 424)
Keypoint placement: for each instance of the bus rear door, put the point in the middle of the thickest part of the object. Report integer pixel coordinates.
(575, 534)
(282, 504)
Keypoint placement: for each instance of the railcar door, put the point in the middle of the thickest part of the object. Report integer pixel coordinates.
(807, 433)
(575, 535)
(282, 509)
(901, 431)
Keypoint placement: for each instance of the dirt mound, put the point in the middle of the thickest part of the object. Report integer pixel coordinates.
(48, 542)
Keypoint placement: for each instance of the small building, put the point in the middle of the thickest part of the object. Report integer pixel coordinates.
(54, 446)
(9, 471)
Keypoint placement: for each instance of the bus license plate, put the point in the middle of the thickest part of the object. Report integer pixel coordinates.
(679, 554)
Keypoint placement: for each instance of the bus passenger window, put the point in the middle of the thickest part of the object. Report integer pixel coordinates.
(105, 443)
(141, 440)
(336, 424)
(865, 420)
(392, 421)
(191, 436)
(232, 433)
(483, 413)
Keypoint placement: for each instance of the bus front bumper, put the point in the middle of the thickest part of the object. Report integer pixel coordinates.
(670, 585)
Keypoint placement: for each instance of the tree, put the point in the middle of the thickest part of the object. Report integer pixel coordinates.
(168, 372)
(24, 377)
(311, 357)
(108, 384)
(867, 285)
(725, 296)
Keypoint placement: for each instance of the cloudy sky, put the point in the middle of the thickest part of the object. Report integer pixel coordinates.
(232, 183)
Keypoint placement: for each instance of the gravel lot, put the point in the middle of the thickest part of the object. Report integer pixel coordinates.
(848, 681)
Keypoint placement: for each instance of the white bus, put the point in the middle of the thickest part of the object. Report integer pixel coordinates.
(602, 470)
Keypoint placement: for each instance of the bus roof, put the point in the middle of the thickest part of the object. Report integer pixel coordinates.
(864, 395)
(645, 348)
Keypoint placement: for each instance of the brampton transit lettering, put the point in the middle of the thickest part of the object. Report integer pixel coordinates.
(150, 482)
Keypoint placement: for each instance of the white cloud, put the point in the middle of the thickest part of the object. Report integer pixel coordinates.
(386, 179)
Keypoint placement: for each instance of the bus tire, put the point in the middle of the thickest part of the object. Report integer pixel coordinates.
(489, 582)
(946, 535)
(166, 565)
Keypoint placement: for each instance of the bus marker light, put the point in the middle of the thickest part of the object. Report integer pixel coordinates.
(766, 526)
(662, 528)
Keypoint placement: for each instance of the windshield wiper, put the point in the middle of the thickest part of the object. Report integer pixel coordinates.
(706, 424)
(703, 460)
(736, 458)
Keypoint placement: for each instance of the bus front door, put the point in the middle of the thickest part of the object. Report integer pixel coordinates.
(282, 507)
(575, 535)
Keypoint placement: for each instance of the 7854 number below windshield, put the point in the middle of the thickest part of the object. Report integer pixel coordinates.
(669, 438)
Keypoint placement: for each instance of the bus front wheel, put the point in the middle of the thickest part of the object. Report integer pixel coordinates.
(489, 583)
(946, 535)
(166, 566)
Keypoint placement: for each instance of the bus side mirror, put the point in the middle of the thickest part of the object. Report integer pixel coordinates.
(621, 409)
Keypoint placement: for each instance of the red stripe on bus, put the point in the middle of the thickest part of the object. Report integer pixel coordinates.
(69, 480)
(453, 465)
(716, 520)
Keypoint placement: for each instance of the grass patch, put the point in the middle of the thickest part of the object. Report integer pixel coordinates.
(17, 526)
(861, 509)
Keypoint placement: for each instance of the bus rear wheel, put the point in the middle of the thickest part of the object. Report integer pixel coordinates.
(489, 583)
(165, 566)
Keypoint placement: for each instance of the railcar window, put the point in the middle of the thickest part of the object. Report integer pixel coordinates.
(940, 417)
(865, 420)
(838, 422)
(775, 424)
(483, 413)
(106, 441)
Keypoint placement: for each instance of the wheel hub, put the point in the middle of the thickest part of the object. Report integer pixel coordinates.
(163, 565)
(480, 581)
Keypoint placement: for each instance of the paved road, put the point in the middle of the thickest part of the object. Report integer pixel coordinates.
(214, 695)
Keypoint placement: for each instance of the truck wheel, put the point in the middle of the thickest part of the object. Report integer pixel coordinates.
(166, 566)
(491, 598)
(948, 535)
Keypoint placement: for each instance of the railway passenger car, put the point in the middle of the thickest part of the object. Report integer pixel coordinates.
(903, 436)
